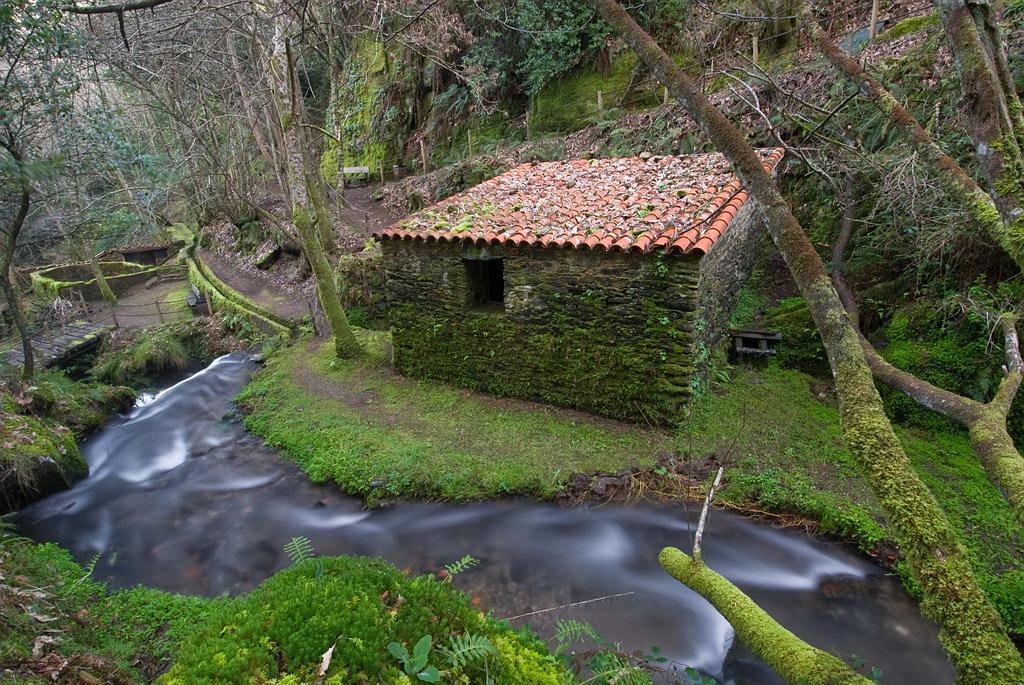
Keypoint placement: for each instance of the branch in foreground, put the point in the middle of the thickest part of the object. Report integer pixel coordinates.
(117, 8)
(790, 657)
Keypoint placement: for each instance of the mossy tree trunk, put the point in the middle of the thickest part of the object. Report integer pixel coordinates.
(995, 210)
(793, 659)
(969, 626)
(11, 233)
(985, 422)
(101, 281)
(308, 198)
(994, 116)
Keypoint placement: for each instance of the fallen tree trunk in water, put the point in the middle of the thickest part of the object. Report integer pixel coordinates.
(792, 658)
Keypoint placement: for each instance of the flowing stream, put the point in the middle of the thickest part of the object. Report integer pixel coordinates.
(180, 497)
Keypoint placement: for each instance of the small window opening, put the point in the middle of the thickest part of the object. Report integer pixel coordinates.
(486, 281)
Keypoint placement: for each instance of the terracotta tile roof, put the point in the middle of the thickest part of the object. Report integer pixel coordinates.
(679, 204)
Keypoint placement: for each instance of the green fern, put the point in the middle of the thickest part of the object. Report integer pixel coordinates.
(465, 649)
(8, 531)
(610, 668)
(299, 549)
(570, 631)
(464, 564)
(88, 568)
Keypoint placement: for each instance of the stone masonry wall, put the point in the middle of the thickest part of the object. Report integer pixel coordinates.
(612, 334)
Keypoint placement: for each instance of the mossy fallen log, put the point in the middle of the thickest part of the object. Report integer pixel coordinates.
(792, 658)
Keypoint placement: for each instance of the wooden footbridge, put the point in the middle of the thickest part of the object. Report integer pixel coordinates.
(53, 345)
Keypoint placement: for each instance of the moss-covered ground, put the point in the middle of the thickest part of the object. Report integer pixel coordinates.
(277, 633)
(39, 425)
(356, 423)
(776, 430)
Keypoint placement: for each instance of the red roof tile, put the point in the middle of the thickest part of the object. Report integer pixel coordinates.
(681, 204)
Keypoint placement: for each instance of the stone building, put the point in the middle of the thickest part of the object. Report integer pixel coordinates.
(596, 284)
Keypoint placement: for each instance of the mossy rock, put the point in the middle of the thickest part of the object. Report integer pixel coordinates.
(37, 458)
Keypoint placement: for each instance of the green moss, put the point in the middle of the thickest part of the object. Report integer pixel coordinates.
(779, 434)
(801, 346)
(378, 435)
(282, 627)
(225, 298)
(356, 115)
(910, 25)
(569, 103)
(137, 356)
(357, 605)
(38, 452)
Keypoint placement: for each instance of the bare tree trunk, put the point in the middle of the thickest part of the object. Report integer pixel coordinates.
(309, 209)
(989, 209)
(250, 113)
(969, 626)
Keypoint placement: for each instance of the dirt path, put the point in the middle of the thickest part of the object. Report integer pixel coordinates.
(263, 291)
(360, 215)
(142, 306)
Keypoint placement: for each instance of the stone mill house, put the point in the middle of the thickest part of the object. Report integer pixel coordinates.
(597, 284)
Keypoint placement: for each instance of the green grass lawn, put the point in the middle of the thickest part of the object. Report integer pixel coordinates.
(776, 431)
(379, 435)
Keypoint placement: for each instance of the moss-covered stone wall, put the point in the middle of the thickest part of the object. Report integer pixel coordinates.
(608, 333)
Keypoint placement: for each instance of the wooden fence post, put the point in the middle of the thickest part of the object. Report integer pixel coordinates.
(423, 154)
(159, 312)
(380, 166)
(600, 101)
(469, 136)
(664, 95)
(872, 30)
(755, 49)
(527, 123)
(113, 316)
(209, 302)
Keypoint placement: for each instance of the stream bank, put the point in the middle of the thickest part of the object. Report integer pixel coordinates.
(207, 508)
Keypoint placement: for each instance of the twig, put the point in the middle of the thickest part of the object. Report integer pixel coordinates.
(566, 606)
(704, 514)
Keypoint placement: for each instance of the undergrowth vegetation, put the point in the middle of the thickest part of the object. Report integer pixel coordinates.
(134, 356)
(380, 624)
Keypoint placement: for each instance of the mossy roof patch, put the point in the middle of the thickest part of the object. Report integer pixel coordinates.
(673, 203)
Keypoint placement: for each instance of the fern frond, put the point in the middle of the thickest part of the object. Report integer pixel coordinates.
(570, 631)
(299, 549)
(610, 668)
(465, 649)
(464, 564)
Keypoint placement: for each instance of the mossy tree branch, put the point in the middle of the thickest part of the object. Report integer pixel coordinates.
(792, 658)
(985, 423)
(1006, 228)
(969, 626)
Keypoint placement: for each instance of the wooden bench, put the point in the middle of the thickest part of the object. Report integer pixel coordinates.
(357, 173)
(757, 341)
